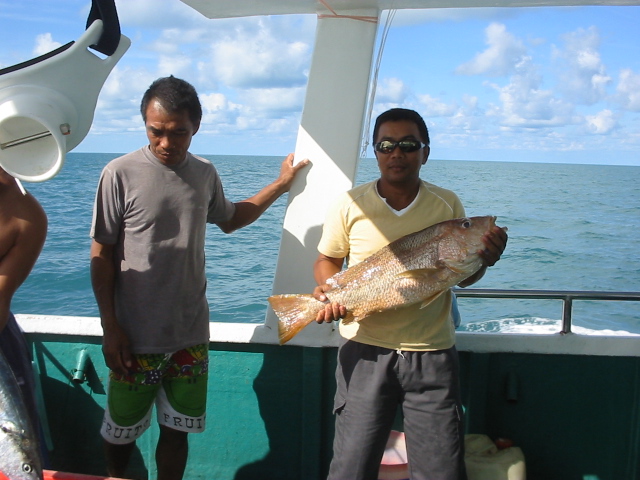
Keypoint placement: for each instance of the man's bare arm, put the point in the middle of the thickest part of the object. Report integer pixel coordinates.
(115, 343)
(23, 230)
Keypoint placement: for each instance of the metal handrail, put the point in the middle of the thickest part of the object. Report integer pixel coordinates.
(567, 297)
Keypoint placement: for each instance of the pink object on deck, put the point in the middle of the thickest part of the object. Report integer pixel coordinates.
(394, 461)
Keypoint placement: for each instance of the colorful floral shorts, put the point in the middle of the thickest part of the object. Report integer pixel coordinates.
(175, 382)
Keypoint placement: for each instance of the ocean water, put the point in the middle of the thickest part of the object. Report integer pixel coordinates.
(571, 227)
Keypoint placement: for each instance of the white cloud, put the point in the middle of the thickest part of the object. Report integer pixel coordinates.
(45, 44)
(272, 110)
(251, 52)
(391, 90)
(524, 104)
(118, 104)
(249, 73)
(432, 107)
(274, 101)
(176, 65)
(582, 74)
(469, 117)
(602, 123)
(502, 56)
(259, 58)
(628, 90)
(219, 114)
(214, 102)
(172, 40)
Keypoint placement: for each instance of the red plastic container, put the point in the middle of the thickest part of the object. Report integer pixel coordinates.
(54, 475)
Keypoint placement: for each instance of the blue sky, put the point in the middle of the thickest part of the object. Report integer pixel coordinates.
(527, 84)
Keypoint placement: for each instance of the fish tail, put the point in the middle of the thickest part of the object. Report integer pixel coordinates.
(294, 313)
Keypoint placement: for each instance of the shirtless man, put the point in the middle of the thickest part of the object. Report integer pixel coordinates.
(23, 229)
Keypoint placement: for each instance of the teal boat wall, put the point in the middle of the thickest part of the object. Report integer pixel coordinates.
(270, 411)
(572, 415)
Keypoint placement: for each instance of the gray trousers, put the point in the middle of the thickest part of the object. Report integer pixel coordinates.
(371, 383)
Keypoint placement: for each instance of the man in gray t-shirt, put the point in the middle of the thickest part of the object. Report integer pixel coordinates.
(147, 271)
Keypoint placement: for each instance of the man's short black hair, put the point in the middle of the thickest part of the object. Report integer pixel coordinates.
(402, 114)
(175, 95)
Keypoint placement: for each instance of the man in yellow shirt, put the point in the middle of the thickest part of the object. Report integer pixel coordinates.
(406, 357)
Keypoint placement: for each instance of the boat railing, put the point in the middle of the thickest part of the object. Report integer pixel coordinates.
(563, 342)
(566, 296)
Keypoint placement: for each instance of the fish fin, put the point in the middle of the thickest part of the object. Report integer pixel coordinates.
(430, 299)
(457, 267)
(349, 318)
(294, 313)
(422, 274)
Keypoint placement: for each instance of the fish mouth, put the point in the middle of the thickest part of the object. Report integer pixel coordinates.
(469, 264)
(491, 219)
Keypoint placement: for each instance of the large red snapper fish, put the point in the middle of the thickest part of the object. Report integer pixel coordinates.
(416, 268)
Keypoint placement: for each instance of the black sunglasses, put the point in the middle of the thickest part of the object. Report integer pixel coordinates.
(407, 146)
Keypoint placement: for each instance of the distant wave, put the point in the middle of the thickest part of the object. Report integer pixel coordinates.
(535, 325)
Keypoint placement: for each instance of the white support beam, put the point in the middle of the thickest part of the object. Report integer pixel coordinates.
(329, 135)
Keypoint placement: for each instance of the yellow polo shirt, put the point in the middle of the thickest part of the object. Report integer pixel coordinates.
(360, 223)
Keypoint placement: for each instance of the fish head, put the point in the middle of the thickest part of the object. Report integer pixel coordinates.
(20, 457)
(460, 242)
(19, 454)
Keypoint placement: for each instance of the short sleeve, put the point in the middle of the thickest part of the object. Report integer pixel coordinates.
(335, 237)
(108, 209)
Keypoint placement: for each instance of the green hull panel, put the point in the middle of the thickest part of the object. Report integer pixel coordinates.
(270, 411)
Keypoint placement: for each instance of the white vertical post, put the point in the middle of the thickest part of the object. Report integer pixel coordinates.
(330, 136)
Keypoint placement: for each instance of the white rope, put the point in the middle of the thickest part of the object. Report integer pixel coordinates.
(374, 81)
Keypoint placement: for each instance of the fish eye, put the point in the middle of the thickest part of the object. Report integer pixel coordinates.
(27, 468)
(466, 223)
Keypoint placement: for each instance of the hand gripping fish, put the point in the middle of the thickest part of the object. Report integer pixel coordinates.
(416, 268)
(19, 451)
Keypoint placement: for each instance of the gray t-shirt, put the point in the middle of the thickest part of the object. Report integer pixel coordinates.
(156, 217)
